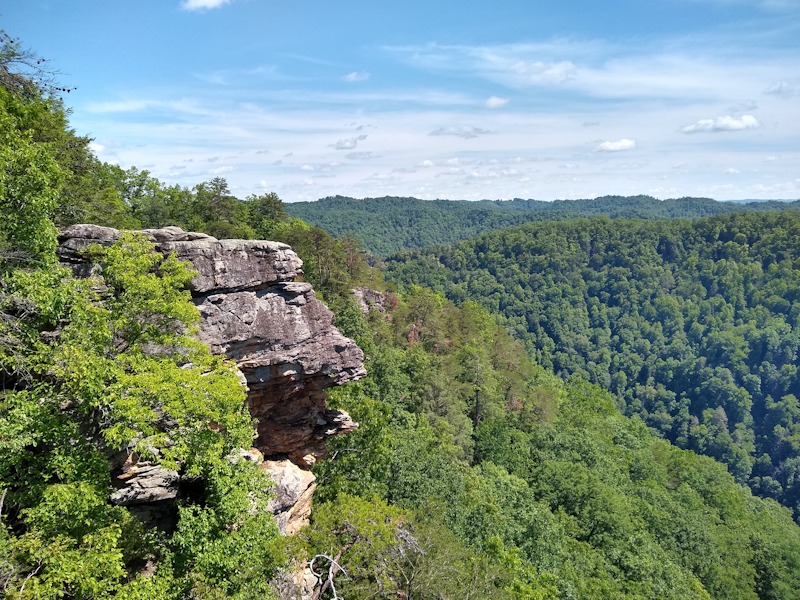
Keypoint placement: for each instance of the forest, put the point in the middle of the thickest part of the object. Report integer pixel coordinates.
(692, 325)
(484, 467)
(387, 225)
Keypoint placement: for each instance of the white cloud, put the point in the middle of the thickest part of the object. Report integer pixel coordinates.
(677, 69)
(183, 106)
(203, 4)
(516, 65)
(463, 131)
(357, 76)
(724, 123)
(732, 171)
(616, 146)
(96, 148)
(526, 145)
(349, 143)
(306, 168)
(747, 106)
(496, 102)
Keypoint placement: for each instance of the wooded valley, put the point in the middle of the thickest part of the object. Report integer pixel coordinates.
(541, 418)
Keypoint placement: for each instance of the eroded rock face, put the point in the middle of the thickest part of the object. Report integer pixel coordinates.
(140, 482)
(294, 487)
(255, 312)
(283, 341)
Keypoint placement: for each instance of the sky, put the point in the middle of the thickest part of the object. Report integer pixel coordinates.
(455, 100)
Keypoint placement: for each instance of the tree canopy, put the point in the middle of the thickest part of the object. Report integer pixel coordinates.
(692, 325)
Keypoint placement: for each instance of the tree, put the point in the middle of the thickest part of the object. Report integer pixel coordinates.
(30, 180)
(265, 212)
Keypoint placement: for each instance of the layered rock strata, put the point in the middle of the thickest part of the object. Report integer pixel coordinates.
(282, 338)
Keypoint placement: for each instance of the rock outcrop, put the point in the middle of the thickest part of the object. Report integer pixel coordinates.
(256, 312)
(369, 300)
(294, 487)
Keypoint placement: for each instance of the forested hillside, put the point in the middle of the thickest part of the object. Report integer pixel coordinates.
(388, 225)
(508, 482)
(692, 325)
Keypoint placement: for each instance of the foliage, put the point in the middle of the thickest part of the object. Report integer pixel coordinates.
(30, 180)
(475, 473)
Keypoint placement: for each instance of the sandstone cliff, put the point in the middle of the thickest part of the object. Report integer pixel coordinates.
(255, 312)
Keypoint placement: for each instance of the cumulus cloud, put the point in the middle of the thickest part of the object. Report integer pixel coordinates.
(203, 4)
(463, 131)
(357, 76)
(496, 102)
(724, 123)
(616, 146)
(348, 143)
(783, 89)
(732, 171)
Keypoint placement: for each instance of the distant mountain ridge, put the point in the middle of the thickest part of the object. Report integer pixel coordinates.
(391, 224)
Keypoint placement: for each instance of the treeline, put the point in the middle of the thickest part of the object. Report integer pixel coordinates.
(692, 325)
(388, 225)
(136, 200)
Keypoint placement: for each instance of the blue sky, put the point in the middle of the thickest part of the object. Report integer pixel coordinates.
(434, 99)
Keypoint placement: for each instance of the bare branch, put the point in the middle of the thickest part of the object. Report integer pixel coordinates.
(333, 569)
(26, 74)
